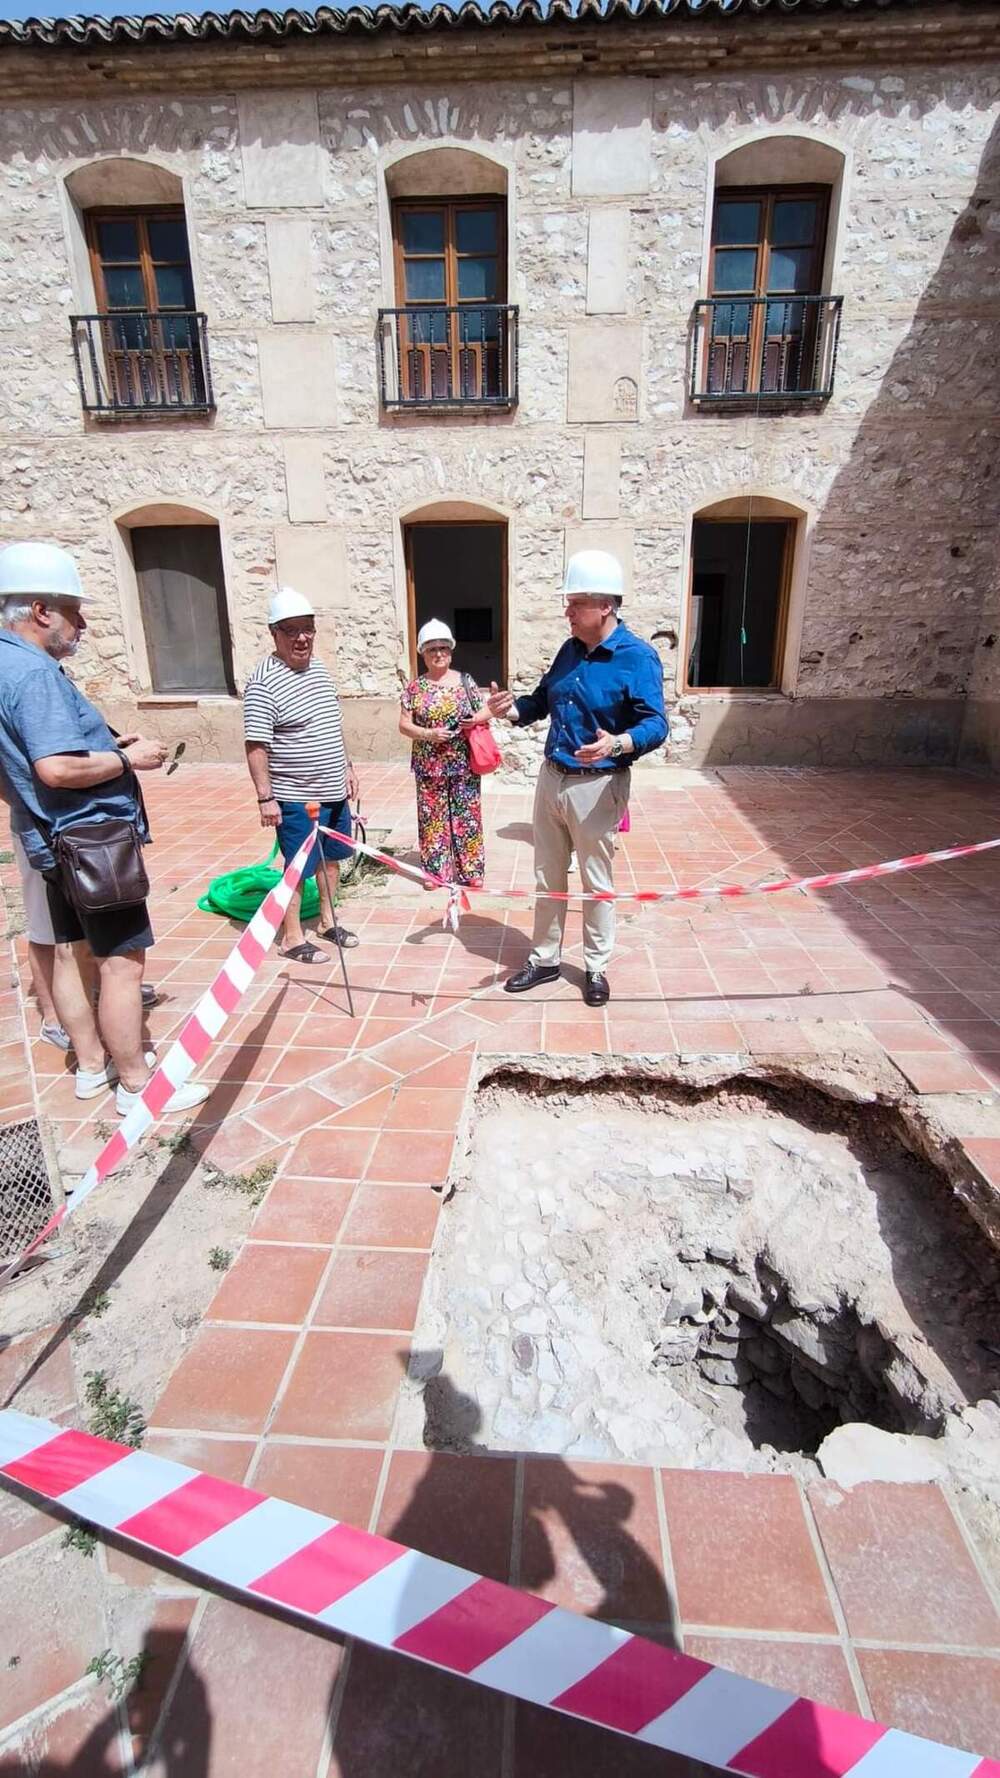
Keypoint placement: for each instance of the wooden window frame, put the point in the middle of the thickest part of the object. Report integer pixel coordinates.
(132, 368)
(142, 214)
(769, 195)
(495, 205)
(411, 525)
(785, 575)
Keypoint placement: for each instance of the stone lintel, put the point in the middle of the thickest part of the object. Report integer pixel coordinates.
(280, 145)
(607, 261)
(313, 560)
(612, 137)
(305, 482)
(602, 464)
(605, 366)
(290, 268)
(298, 379)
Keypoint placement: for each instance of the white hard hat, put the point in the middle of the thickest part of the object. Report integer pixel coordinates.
(288, 603)
(39, 570)
(434, 631)
(594, 572)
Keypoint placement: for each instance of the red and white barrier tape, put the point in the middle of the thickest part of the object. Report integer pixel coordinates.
(726, 891)
(188, 1049)
(347, 1580)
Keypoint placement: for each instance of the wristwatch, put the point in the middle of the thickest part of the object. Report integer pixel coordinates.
(618, 748)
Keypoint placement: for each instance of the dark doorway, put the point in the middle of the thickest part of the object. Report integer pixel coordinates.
(458, 572)
(183, 603)
(739, 579)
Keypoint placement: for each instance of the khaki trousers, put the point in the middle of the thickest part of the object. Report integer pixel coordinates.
(581, 815)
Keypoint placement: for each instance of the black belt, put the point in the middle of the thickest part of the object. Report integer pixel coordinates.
(585, 771)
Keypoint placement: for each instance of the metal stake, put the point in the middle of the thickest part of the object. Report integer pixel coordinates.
(312, 810)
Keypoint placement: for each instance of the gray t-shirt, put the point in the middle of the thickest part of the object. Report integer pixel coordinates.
(297, 716)
(41, 713)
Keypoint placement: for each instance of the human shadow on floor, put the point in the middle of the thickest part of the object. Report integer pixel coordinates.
(480, 935)
(394, 1716)
(182, 1751)
(148, 1215)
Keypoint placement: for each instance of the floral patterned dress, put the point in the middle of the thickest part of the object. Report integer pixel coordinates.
(449, 804)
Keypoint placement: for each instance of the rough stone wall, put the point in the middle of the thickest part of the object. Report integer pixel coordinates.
(303, 473)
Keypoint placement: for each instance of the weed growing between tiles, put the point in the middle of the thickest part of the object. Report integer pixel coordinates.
(714, 1274)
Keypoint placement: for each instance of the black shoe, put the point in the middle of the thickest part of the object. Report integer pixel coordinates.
(531, 976)
(596, 992)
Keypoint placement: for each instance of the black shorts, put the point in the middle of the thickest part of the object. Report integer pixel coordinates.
(108, 934)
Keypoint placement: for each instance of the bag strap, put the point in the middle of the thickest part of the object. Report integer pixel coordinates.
(471, 690)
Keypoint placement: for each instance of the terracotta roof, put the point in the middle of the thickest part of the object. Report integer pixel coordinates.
(272, 26)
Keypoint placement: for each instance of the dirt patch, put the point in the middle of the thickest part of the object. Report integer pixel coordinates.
(131, 1275)
(716, 1276)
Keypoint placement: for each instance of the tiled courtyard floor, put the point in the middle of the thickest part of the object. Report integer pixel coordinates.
(876, 1600)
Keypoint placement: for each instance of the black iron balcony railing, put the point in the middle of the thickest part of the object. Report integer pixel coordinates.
(769, 350)
(139, 363)
(461, 356)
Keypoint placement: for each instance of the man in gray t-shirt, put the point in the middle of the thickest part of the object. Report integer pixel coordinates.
(61, 766)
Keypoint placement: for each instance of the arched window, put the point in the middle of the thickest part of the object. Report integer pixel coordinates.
(745, 555)
(178, 593)
(768, 324)
(142, 348)
(449, 339)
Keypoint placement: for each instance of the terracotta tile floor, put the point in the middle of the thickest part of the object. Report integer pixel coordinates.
(873, 1600)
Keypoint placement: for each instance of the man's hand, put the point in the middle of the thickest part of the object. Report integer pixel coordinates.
(501, 703)
(353, 787)
(596, 750)
(270, 813)
(143, 755)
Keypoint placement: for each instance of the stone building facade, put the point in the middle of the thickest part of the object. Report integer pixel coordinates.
(849, 532)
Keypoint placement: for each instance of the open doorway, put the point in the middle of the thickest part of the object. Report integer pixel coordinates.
(458, 573)
(740, 574)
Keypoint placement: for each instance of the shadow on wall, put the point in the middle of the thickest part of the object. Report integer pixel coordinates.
(905, 551)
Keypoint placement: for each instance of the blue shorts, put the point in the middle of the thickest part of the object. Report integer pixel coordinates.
(295, 825)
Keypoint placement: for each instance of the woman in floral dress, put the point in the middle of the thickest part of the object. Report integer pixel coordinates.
(439, 708)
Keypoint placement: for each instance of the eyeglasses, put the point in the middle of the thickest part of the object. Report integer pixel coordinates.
(291, 628)
(438, 648)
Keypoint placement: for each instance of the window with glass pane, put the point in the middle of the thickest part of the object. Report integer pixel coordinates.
(450, 279)
(767, 245)
(144, 289)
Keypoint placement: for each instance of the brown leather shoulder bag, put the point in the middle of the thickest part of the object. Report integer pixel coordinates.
(101, 864)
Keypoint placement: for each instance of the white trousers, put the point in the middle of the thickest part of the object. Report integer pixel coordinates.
(576, 814)
(37, 918)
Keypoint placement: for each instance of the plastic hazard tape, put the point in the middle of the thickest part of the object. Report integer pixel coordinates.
(350, 1581)
(725, 891)
(189, 1048)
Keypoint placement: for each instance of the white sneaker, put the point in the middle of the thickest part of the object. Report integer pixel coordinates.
(90, 1083)
(184, 1099)
(55, 1035)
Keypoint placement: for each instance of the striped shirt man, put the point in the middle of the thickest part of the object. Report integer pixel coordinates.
(296, 715)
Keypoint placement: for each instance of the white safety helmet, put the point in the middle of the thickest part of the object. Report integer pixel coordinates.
(288, 603)
(434, 631)
(594, 572)
(39, 571)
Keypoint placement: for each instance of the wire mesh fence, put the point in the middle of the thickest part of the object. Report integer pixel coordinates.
(26, 1195)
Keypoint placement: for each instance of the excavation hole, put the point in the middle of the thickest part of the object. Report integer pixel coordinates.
(717, 1277)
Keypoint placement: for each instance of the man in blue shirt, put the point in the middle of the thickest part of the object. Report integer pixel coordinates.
(603, 695)
(61, 765)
